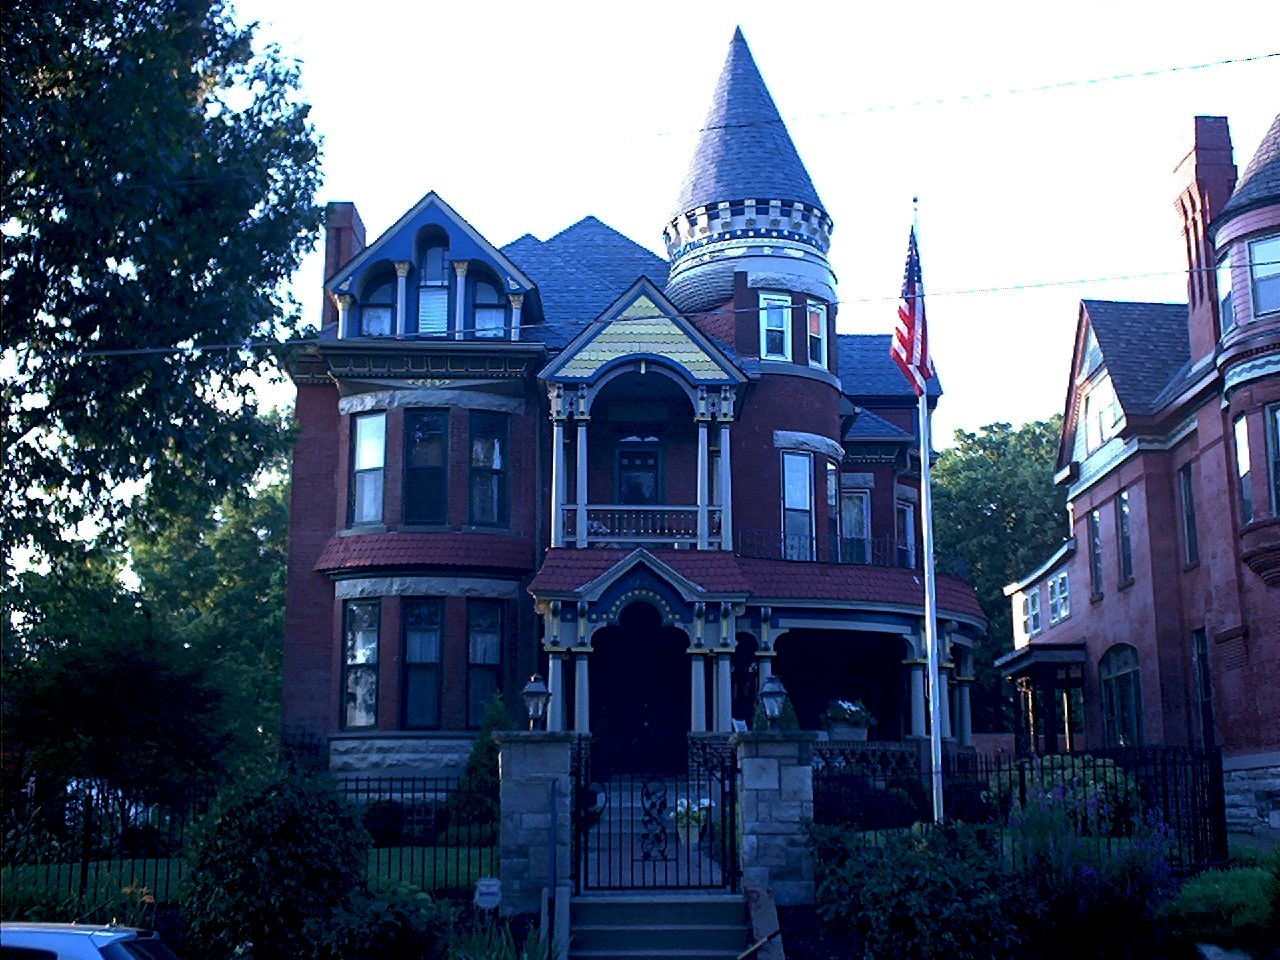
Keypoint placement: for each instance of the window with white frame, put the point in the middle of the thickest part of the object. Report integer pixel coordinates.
(1059, 597)
(1102, 413)
(1031, 612)
(1226, 303)
(1244, 466)
(423, 622)
(1264, 271)
(855, 524)
(490, 310)
(775, 326)
(797, 506)
(433, 290)
(816, 318)
(484, 656)
(378, 309)
(905, 532)
(360, 664)
(368, 457)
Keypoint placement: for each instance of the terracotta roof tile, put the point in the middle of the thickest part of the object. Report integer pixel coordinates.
(377, 550)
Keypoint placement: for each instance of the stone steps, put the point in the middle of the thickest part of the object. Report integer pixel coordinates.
(694, 926)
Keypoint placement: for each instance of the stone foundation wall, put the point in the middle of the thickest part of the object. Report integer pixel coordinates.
(400, 755)
(1252, 786)
(775, 802)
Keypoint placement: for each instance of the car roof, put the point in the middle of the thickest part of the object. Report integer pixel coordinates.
(99, 932)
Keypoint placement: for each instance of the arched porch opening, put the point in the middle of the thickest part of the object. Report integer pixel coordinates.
(819, 666)
(640, 694)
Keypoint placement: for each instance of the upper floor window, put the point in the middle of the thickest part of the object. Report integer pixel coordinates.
(639, 474)
(426, 466)
(378, 309)
(905, 531)
(1095, 553)
(1121, 696)
(1190, 537)
(1273, 442)
(775, 326)
(797, 506)
(423, 621)
(433, 289)
(484, 656)
(1059, 597)
(1243, 467)
(1102, 413)
(368, 456)
(360, 664)
(490, 311)
(489, 465)
(1031, 624)
(1226, 304)
(855, 521)
(817, 320)
(1264, 269)
(1124, 536)
(833, 508)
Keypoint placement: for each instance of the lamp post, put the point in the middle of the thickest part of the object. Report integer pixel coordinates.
(772, 694)
(536, 697)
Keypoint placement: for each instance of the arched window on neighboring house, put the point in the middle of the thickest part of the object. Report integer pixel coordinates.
(433, 288)
(378, 307)
(1121, 696)
(490, 310)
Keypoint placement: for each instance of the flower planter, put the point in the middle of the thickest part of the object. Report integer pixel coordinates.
(847, 731)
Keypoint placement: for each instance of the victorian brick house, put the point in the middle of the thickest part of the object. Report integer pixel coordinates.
(654, 481)
(1159, 620)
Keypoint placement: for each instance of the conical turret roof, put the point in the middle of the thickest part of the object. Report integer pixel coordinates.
(1260, 183)
(745, 151)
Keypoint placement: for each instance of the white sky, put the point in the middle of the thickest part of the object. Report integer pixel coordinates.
(528, 116)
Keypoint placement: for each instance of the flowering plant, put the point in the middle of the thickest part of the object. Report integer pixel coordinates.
(691, 813)
(854, 713)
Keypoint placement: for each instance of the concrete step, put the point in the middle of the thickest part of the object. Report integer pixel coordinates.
(624, 927)
(658, 908)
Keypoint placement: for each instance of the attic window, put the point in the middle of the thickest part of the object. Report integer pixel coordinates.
(433, 290)
(1103, 416)
(490, 311)
(377, 310)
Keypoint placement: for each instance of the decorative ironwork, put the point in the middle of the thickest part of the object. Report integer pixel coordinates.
(653, 810)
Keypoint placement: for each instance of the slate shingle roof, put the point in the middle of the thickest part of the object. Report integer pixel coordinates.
(1145, 346)
(745, 151)
(1259, 185)
(867, 369)
(867, 426)
(579, 272)
(568, 570)
(383, 550)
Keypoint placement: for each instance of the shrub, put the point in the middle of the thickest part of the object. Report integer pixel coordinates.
(939, 893)
(475, 802)
(27, 898)
(1226, 907)
(490, 941)
(400, 923)
(266, 860)
(1097, 794)
(787, 719)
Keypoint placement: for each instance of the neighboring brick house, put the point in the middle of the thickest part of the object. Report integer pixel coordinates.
(653, 482)
(1159, 620)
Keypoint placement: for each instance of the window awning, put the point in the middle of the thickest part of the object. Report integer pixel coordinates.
(1022, 661)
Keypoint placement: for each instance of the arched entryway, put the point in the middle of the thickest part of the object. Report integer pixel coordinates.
(639, 694)
(819, 666)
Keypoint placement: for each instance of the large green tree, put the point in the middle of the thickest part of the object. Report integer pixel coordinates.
(159, 175)
(998, 512)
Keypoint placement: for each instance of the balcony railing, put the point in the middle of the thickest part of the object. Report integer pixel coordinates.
(863, 551)
(613, 525)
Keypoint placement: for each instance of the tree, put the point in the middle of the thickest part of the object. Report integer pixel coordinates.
(158, 185)
(997, 509)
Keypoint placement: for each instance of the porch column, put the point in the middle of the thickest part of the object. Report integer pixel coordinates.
(557, 481)
(724, 693)
(580, 526)
(965, 719)
(726, 490)
(555, 683)
(1049, 707)
(460, 299)
(703, 484)
(944, 702)
(581, 693)
(697, 691)
(916, 678)
(402, 295)
(517, 304)
(344, 302)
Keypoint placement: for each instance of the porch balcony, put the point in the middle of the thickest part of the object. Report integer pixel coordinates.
(619, 525)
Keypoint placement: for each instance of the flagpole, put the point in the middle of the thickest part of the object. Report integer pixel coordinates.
(933, 666)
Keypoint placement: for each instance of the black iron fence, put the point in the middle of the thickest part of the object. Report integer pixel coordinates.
(86, 839)
(1106, 801)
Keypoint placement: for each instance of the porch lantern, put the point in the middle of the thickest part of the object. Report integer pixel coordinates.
(536, 697)
(772, 693)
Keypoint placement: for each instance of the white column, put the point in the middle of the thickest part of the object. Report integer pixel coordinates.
(517, 302)
(581, 694)
(581, 524)
(704, 476)
(460, 299)
(944, 702)
(402, 295)
(555, 683)
(697, 692)
(965, 719)
(724, 693)
(344, 301)
(557, 481)
(726, 490)
(917, 698)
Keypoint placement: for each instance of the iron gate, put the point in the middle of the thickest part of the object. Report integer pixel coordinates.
(657, 831)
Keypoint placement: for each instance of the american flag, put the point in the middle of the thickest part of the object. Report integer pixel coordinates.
(910, 347)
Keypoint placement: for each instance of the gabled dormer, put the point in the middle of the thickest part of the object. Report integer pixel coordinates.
(432, 276)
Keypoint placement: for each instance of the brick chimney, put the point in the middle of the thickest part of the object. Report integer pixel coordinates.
(1206, 177)
(343, 239)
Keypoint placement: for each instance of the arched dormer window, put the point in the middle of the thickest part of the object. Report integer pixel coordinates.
(490, 310)
(433, 287)
(378, 307)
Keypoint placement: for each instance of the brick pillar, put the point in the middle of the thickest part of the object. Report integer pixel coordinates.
(775, 802)
(537, 801)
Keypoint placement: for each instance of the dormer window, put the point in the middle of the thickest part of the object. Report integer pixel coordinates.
(433, 290)
(775, 326)
(490, 311)
(378, 309)
(817, 320)
(1264, 266)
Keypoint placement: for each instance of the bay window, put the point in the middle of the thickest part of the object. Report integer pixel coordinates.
(423, 621)
(360, 664)
(817, 321)
(855, 520)
(905, 532)
(489, 464)
(1264, 271)
(1273, 444)
(1226, 303)
(368, 457)
(1243, 468)
(426, 464)
(775, 326)
(484, 656)
(797, 506)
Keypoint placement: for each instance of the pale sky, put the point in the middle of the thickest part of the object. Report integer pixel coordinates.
(525, 117)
